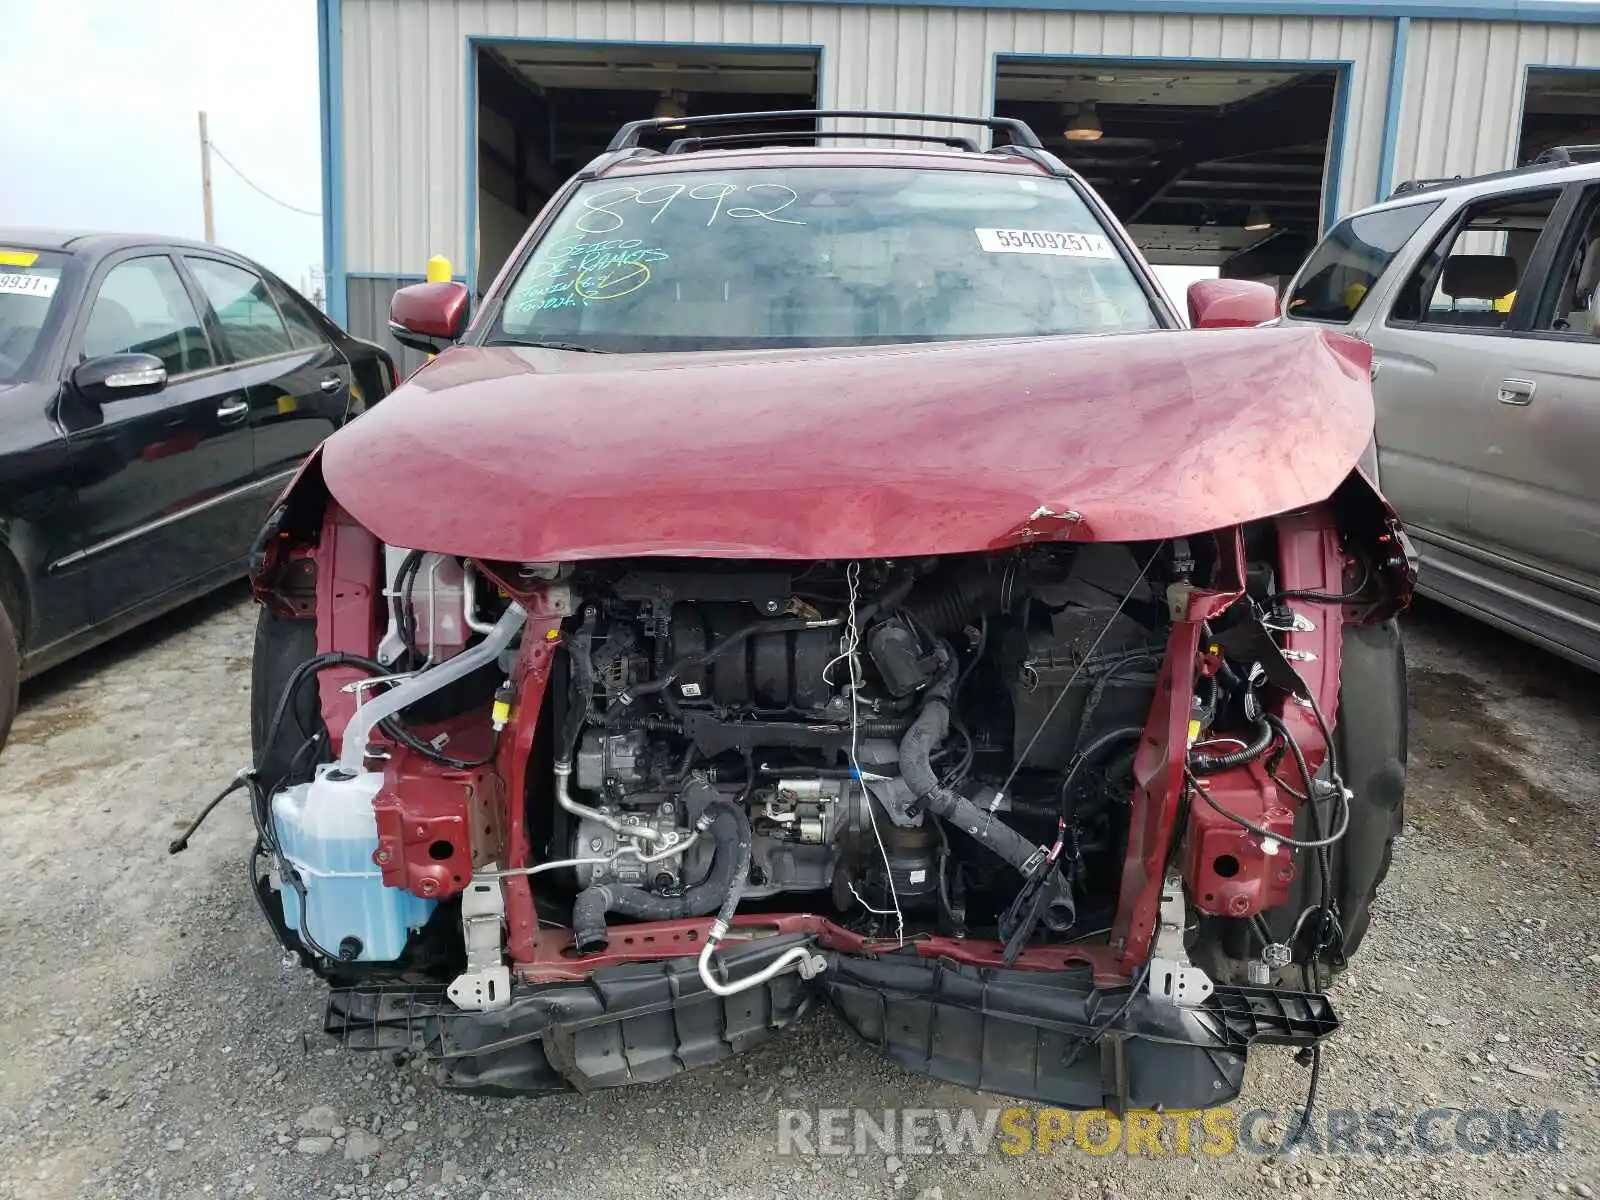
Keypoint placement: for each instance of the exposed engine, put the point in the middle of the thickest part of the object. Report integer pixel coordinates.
(939, 746)
(897, 736)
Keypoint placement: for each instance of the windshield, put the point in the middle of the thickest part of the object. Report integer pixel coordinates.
(28, 282)
(820, 256)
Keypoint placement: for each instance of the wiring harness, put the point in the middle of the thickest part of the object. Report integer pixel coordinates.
(1272, 739)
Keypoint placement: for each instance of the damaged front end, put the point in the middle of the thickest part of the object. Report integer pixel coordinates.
(1069, 819)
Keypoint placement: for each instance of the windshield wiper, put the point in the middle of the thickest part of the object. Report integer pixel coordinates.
(574, 347)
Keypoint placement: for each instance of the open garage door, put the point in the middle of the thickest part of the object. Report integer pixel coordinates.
(545, 109)
(1560, 107)
(1209, 166)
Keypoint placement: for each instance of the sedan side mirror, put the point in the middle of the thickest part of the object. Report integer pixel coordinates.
(1231, 303)
(118, 377)
(429, 316)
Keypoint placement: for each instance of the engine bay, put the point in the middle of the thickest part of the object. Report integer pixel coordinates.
(828, 703)
(936, 748)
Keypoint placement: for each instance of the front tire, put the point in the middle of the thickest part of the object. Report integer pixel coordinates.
(10, 668)
(1371, 736)
(282, 644)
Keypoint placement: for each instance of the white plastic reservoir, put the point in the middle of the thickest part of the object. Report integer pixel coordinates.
(328, 832)
(436, 596)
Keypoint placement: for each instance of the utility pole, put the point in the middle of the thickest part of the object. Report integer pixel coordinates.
(205, 177)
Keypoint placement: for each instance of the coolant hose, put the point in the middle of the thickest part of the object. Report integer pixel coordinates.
(931, 726)
(730, 835)
(916, 749)
(983, 827)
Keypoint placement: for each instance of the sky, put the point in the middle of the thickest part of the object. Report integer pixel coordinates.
(98, 117)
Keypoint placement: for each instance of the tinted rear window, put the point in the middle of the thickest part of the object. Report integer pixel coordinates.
(1353, 257)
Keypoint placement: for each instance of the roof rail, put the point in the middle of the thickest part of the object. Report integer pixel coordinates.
(629, 135)
(1039, 156)
(1556, 156)
(690, 144)
(609, 158)
(1418, 185)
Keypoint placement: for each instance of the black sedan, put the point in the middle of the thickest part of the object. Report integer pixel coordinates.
(155, 397)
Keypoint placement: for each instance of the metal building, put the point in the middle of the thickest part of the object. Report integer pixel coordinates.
(1224, 132)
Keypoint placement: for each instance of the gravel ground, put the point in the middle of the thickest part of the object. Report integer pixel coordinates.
(151, 1044)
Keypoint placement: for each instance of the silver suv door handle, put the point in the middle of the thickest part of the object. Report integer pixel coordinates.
(331, 384)
(233, 410)
(1516, 391)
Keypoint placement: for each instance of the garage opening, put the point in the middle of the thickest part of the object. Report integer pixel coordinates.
(1560, 107)
(1219, 169)
(545, 109)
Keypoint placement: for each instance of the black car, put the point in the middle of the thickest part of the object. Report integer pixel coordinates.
(155, 397)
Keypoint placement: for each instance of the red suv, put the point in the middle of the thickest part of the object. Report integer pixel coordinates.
(821, 573)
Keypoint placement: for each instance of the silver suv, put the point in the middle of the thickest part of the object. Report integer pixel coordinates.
(1479, 299)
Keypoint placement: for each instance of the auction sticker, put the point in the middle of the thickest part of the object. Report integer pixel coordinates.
(1043, 241)
(28, 285)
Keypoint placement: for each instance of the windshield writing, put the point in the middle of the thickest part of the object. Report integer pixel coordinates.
(821, 256)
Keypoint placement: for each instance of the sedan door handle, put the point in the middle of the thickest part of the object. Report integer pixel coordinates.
(331, 384)
(232, 411)
(1516, 391)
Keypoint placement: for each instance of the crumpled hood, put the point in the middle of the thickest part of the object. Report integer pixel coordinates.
(499, 453)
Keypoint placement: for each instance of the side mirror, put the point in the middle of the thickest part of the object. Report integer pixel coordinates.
(429, 316)
(118, 377)
(1230, 303)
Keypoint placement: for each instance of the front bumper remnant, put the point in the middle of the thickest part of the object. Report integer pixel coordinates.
(1030, 1034)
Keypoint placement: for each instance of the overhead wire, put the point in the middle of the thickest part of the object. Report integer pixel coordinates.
(304, 212)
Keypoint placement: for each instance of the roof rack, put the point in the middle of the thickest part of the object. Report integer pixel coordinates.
(1556, 156)
(628, 136)
(1418, 185)
(690, 144)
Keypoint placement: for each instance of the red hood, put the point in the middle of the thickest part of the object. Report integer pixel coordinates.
(887, 452)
